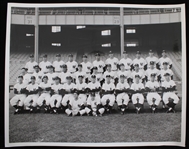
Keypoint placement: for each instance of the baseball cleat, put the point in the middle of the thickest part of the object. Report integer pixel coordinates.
(54, 111)
(16, 111)
(169, 110)
(31, 110)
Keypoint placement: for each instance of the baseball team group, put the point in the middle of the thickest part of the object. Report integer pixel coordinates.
(93, 88)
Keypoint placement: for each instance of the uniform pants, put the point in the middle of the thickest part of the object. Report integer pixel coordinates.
(18, 99)
(151, 96)
(138, 96)
(30, 98)
(56, 97)
(111, 97)
(171, 95)
(84, 98)
(124, 97)
(88, 110)
(75, 111)
(67, 98)
(44, 97)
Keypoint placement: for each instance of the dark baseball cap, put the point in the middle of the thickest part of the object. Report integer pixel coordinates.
(63, 66)
(45, 77)
(151, 62)
(24, 68)
(93, 76)
(32, 77)
(36, 66)
(58, 55)
(84, 56)
(150, 51)
(108, 76)
(69, 77)
(122, 64)
(137, 76)
(110, 52)
(136, 64)
(80, 65)
(20, 77)
(70, 55)
(56, 78)
(108, 65)
(153, 74)
(50, 66)
(122, 76)
(31, 55)
(95, 67)
(97, 54)
(165, 63)
(164, 51)
(80, 76)
(167, 74)
(138, 52)
(45, 55)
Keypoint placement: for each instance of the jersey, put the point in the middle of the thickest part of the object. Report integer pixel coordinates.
(57, 64)
(163, 71)
(92, 86)
(99, 64)
(19, 86)
(38, 76)
(121, 86)
(140, 73)
(127, 62)
(29, 65)
(68, 87)
(114, 61)
(43, 65)
(78, 73)
(63, 76)
(72, 66)
(168, 84)
(141, 62)
(162, 60)
(87, 67)
(152, 85)
(151, 59)
(151, 71)
(108, 87)
(56, 87)
(50, 77)
(127, 74)
(99, 77)
(76, 104)
(112, 74)
(26, 78)
(32, 87)
(137, 86)
(80, 86)
(93, 103)
(44, 85)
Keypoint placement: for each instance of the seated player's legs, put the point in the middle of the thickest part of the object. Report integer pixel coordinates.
(138, 104)
(55, 101)
(66, 99)
(17, 102)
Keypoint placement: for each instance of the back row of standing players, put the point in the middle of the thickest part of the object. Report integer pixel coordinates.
(150, 72)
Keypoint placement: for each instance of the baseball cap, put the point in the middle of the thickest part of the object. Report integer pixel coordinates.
(151, 62)
(108, 65)
(122, 64)
(31, 55)
(56, 78)
(68, 77)
(32, 77)
(79, 65)
(110, 52)
(166, 74)
(93, 76)
(70, 55)
(164, 51)
(45, 55)
(36, 66)
(84, 56)
(138, 52)
(108, 76)
(58, 55)
(45, 77)
(153, 74)
(137, 76)
(20, 77)
(80, 76)
(150, 50)
(136, 64)
(97, 54)
(122, 76)
(124, 52)
(165, 63)
(63, 66)
(24, 68)
(95, 67)
(50, 66)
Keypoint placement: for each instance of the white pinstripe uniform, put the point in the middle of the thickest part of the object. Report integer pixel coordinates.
(72, 66)
(137, 86)
(113, 62)
(166, 59)
(81, 86)
(113, 75)
(57, 64)
(43, 65)
(56, 96)
(163, 72)
(29, 65)
(87, 68)
(140, 61)
(152, 71)
(63, 76)
(99, 64)
(151, 59)
(127, 62)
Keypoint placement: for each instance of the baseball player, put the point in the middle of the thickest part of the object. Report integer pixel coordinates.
(163, 59)
(78, 73)
(99, 63)
(18, 100)
(30, 65)
(126, 73)
(139, 72)
(126, 61)
(99, 76)
(45, 89)
(51, 74)
(108, 98)
(80, 87)
(65, 73)
(33, 95)
(136, 89)
(87, 66)
(56, 97)
(57, 64)
(152, 70)
(76, 106)
(38, 74)
(139, 60)
(94, 86)
(113, 61)
(169, 96)
(72, 65)
(121, 90)
(43, 65)
(151, 58)
(68, 90)
(152, 87)
(112, 74)
(94, 106)
(165, 70)
(26, 76)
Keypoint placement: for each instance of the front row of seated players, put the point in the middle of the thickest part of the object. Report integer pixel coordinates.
(94, 99)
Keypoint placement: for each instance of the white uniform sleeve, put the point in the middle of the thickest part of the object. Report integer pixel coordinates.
(133, 86)
(147, 84)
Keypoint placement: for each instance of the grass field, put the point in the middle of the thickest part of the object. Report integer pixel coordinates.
(145, 127)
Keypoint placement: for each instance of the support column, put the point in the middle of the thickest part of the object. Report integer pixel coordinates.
(36, 34)
(122, 30)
